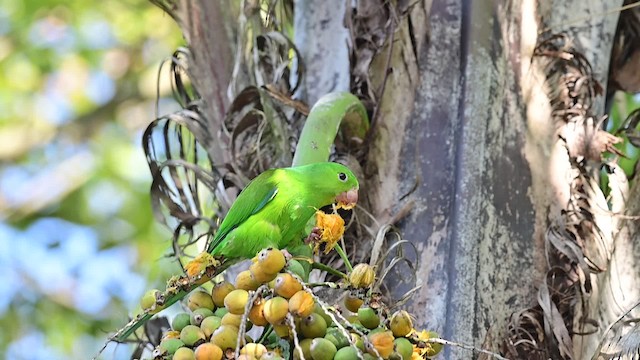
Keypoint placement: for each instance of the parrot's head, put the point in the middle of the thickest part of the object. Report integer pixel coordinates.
(336, 183)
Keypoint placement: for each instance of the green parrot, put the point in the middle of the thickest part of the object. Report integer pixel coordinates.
(272, 211)
(274, 208)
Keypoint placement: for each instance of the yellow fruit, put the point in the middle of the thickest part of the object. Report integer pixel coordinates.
(210, 324)
(226, 337)
(184, 353)
(200, 299)
(271, 260)
(362, 276)
(253, 349)
(208, 351)
(301, 304)
(259, 273)
(275, 310)
(231, 319)
(172, 334)
(401, 323)
(282, 331)
(382, 342)
(236, 301)
(353, 303)
(256, 315)
(246, 281)
(286, 285)
(220, 291)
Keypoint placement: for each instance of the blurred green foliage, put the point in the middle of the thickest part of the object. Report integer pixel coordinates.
(78, 241)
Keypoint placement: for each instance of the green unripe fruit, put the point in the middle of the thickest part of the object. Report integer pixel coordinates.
(322, 349)
(305, 345)
(336, 337)
(148, 300)
(435, 347)
(192, 335)
(169, 346)
(403, 348)
(236, 301)
(198, 315)
(180, 321)
(295, 267)
(225, 337)
(210, 324)
(357, 339)
(200, 299)
(313, 326)
(184, 353)
(220, 312)
(346, 353)
(368, 317)
(318, 310)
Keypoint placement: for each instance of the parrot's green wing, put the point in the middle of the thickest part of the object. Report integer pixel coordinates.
(251, 200)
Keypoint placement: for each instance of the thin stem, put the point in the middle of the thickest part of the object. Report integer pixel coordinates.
(323, 267)
(344, 257)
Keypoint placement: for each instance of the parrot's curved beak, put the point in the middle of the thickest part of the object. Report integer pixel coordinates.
(348, 199)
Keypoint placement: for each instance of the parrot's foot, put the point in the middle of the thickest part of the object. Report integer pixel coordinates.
(287, 254)
(314, 236)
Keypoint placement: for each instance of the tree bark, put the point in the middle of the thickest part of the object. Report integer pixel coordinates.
(466, 117)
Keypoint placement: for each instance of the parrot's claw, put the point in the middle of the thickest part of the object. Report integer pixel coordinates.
(287, 254)
(314, 236)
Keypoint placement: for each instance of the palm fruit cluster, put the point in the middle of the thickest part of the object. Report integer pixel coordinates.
(295, 324)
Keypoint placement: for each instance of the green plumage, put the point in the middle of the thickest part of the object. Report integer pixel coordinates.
(271, 211)
(274, 208)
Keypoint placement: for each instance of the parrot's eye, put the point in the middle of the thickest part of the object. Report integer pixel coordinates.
(342, 176)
